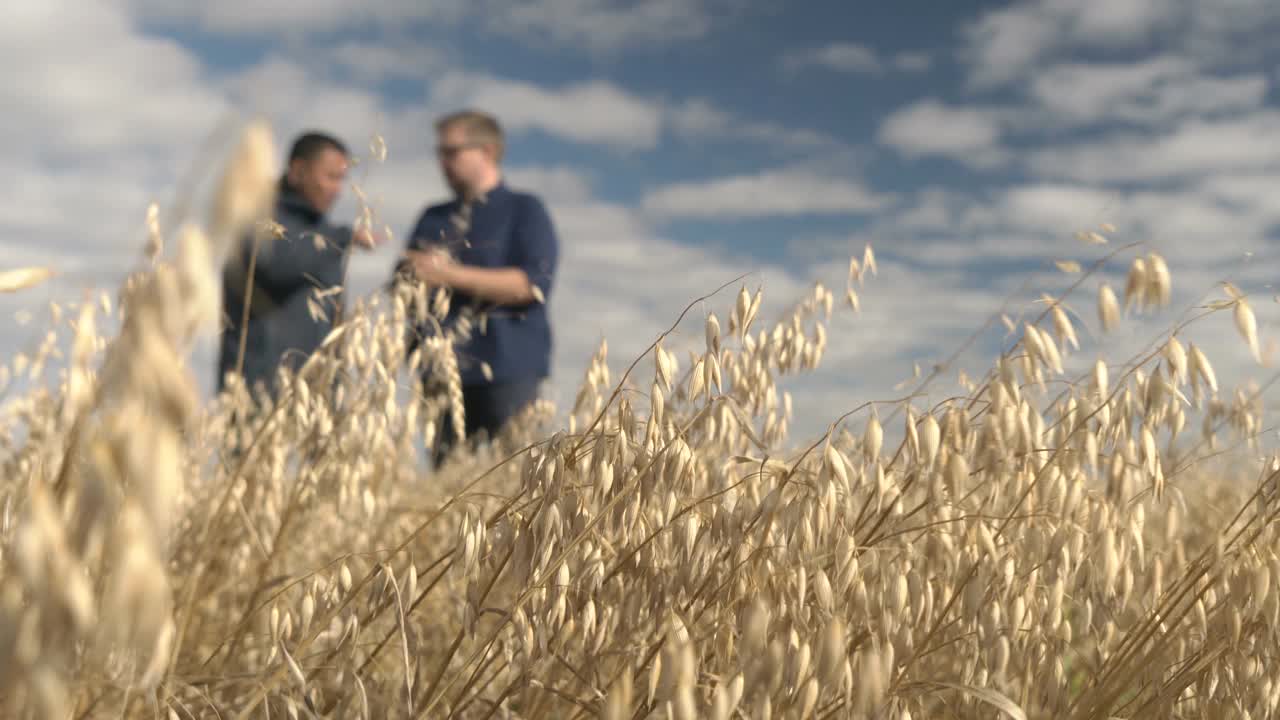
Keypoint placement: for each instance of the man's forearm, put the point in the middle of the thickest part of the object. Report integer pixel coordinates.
(503, 286)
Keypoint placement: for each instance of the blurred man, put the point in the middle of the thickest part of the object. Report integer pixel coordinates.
(496, 249)
(281, 301)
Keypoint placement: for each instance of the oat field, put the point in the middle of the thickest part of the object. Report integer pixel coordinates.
(1043, 546)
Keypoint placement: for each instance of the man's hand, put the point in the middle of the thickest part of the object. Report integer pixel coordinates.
(432, 266)
(367, 239)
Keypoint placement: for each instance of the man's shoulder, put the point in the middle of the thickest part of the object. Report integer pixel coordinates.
(524, 195)
(433, 215)
(296, 221)
(291, 217)
(527, 201)
(440, 209)
(290, 225)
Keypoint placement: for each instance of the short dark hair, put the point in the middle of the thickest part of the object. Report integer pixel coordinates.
(310, 144)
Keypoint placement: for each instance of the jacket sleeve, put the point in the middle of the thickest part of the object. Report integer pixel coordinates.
(301, 259)
(536, 248)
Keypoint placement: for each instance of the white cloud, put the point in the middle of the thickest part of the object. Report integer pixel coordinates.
(1112, 22)
(1206, 228)
(44, 89)
(75, 217)
(913, 61)
(1193, 149)
(93, 142)
(1011, 43)
(621, 280)
(1153, 116)
(930, 127)
(854, 58)
(1153, 91)
(253, 17)
(596, 25)
(373, 62)
(559, 183)
(603, 25)
(843, 57)
(1003, 43)
(701, 120)
(1252, 193)
(290, 93)
(1130, 92)
(591, 112)
(1230, 33)
(1054, 208)
(777, 192)
(933, 208)
(602, 112)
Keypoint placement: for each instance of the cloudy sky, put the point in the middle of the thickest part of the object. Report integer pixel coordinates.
(682, 143)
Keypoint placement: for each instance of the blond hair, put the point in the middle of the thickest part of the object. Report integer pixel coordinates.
(480, 127)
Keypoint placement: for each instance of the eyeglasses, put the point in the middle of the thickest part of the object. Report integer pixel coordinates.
(452, 150)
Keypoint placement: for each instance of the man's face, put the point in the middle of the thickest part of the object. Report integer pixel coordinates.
(320, 179)
(463, 161)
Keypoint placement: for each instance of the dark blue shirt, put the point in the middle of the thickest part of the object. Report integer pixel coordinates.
(507, 229)
(308, 260)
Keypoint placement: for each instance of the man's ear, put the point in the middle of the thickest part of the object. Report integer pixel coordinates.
(296, 168)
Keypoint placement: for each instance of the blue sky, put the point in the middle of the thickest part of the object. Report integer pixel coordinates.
(681, 143)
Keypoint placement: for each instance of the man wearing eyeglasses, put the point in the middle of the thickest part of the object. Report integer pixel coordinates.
(495, 249)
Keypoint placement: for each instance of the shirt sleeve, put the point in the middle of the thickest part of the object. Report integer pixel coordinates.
(536, 249)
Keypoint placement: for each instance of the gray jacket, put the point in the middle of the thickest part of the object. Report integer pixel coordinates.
(310, 258)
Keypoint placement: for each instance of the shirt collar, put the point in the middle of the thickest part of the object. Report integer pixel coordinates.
(498, 190)
(289, 198)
